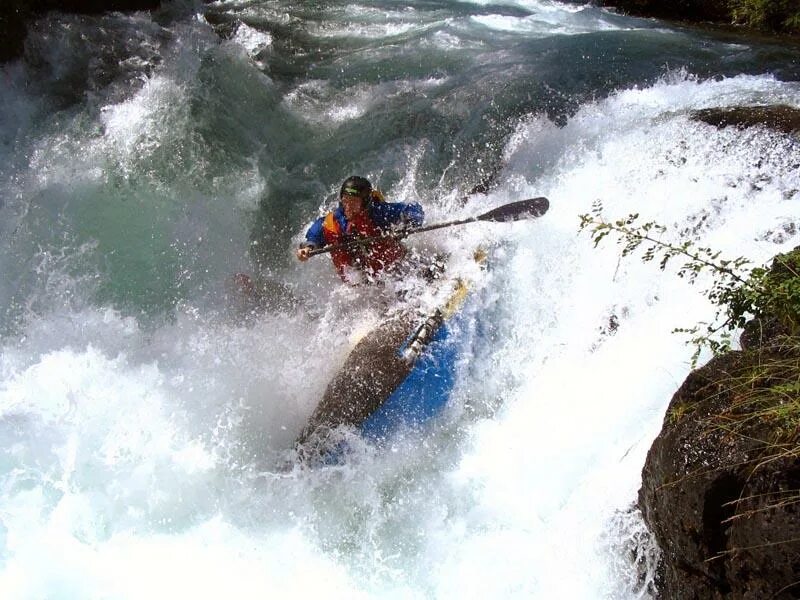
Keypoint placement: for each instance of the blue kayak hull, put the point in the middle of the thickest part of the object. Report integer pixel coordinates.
(398, 376)
(423, 393)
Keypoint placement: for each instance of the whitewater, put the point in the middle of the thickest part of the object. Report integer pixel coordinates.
(147, 414)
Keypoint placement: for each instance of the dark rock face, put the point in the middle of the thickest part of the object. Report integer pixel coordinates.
(692, 10)
(773, 17)
(757, 331)
(779, 117)
(720, 489)
(16, 14)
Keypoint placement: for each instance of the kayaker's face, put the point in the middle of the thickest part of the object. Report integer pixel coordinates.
(352, 205)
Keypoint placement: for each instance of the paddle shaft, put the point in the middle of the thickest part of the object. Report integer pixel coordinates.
(514, 211)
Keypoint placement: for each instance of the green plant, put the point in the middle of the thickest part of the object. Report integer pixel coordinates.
(737, 292)
(792, 23)
(749, 400)
(677, 412)
(773, 292)
(767, 14)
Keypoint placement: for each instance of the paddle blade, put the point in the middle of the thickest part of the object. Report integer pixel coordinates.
(517, 211)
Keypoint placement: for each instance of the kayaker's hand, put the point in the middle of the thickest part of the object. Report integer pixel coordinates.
(303, 253)
(399, 231)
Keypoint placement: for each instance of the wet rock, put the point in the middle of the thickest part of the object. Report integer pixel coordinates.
(720, 483)
(15, 15)
(767, 17)
(689, 10)
(762, 332)
(779, 117)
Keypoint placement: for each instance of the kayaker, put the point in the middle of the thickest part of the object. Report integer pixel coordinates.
(362, 212)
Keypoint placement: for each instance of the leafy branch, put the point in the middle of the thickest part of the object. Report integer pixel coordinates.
(737, 293)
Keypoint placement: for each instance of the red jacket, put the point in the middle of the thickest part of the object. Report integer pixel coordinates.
(370, 258)
(378, 218)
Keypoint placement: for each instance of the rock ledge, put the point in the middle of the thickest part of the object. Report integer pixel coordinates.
(721, 483)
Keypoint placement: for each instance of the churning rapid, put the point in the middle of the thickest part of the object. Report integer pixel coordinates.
(147, 414)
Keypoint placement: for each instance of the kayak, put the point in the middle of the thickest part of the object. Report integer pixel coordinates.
(431, 353)
(398, 375)
(401, 373)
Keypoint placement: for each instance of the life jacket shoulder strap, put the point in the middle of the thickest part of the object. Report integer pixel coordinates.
(331, 225)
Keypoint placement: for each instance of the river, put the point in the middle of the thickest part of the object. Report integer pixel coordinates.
(144, 414)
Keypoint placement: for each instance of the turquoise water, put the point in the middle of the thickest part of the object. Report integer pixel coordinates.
(144, 408)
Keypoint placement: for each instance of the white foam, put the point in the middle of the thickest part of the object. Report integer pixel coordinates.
(551, 18)
(361, 30)
(140, 463)
(208, 561)
(551, 471)
(318, 102)
(251, 39)
(544, 24)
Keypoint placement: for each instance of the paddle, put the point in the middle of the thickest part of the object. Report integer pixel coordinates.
(514, 211)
